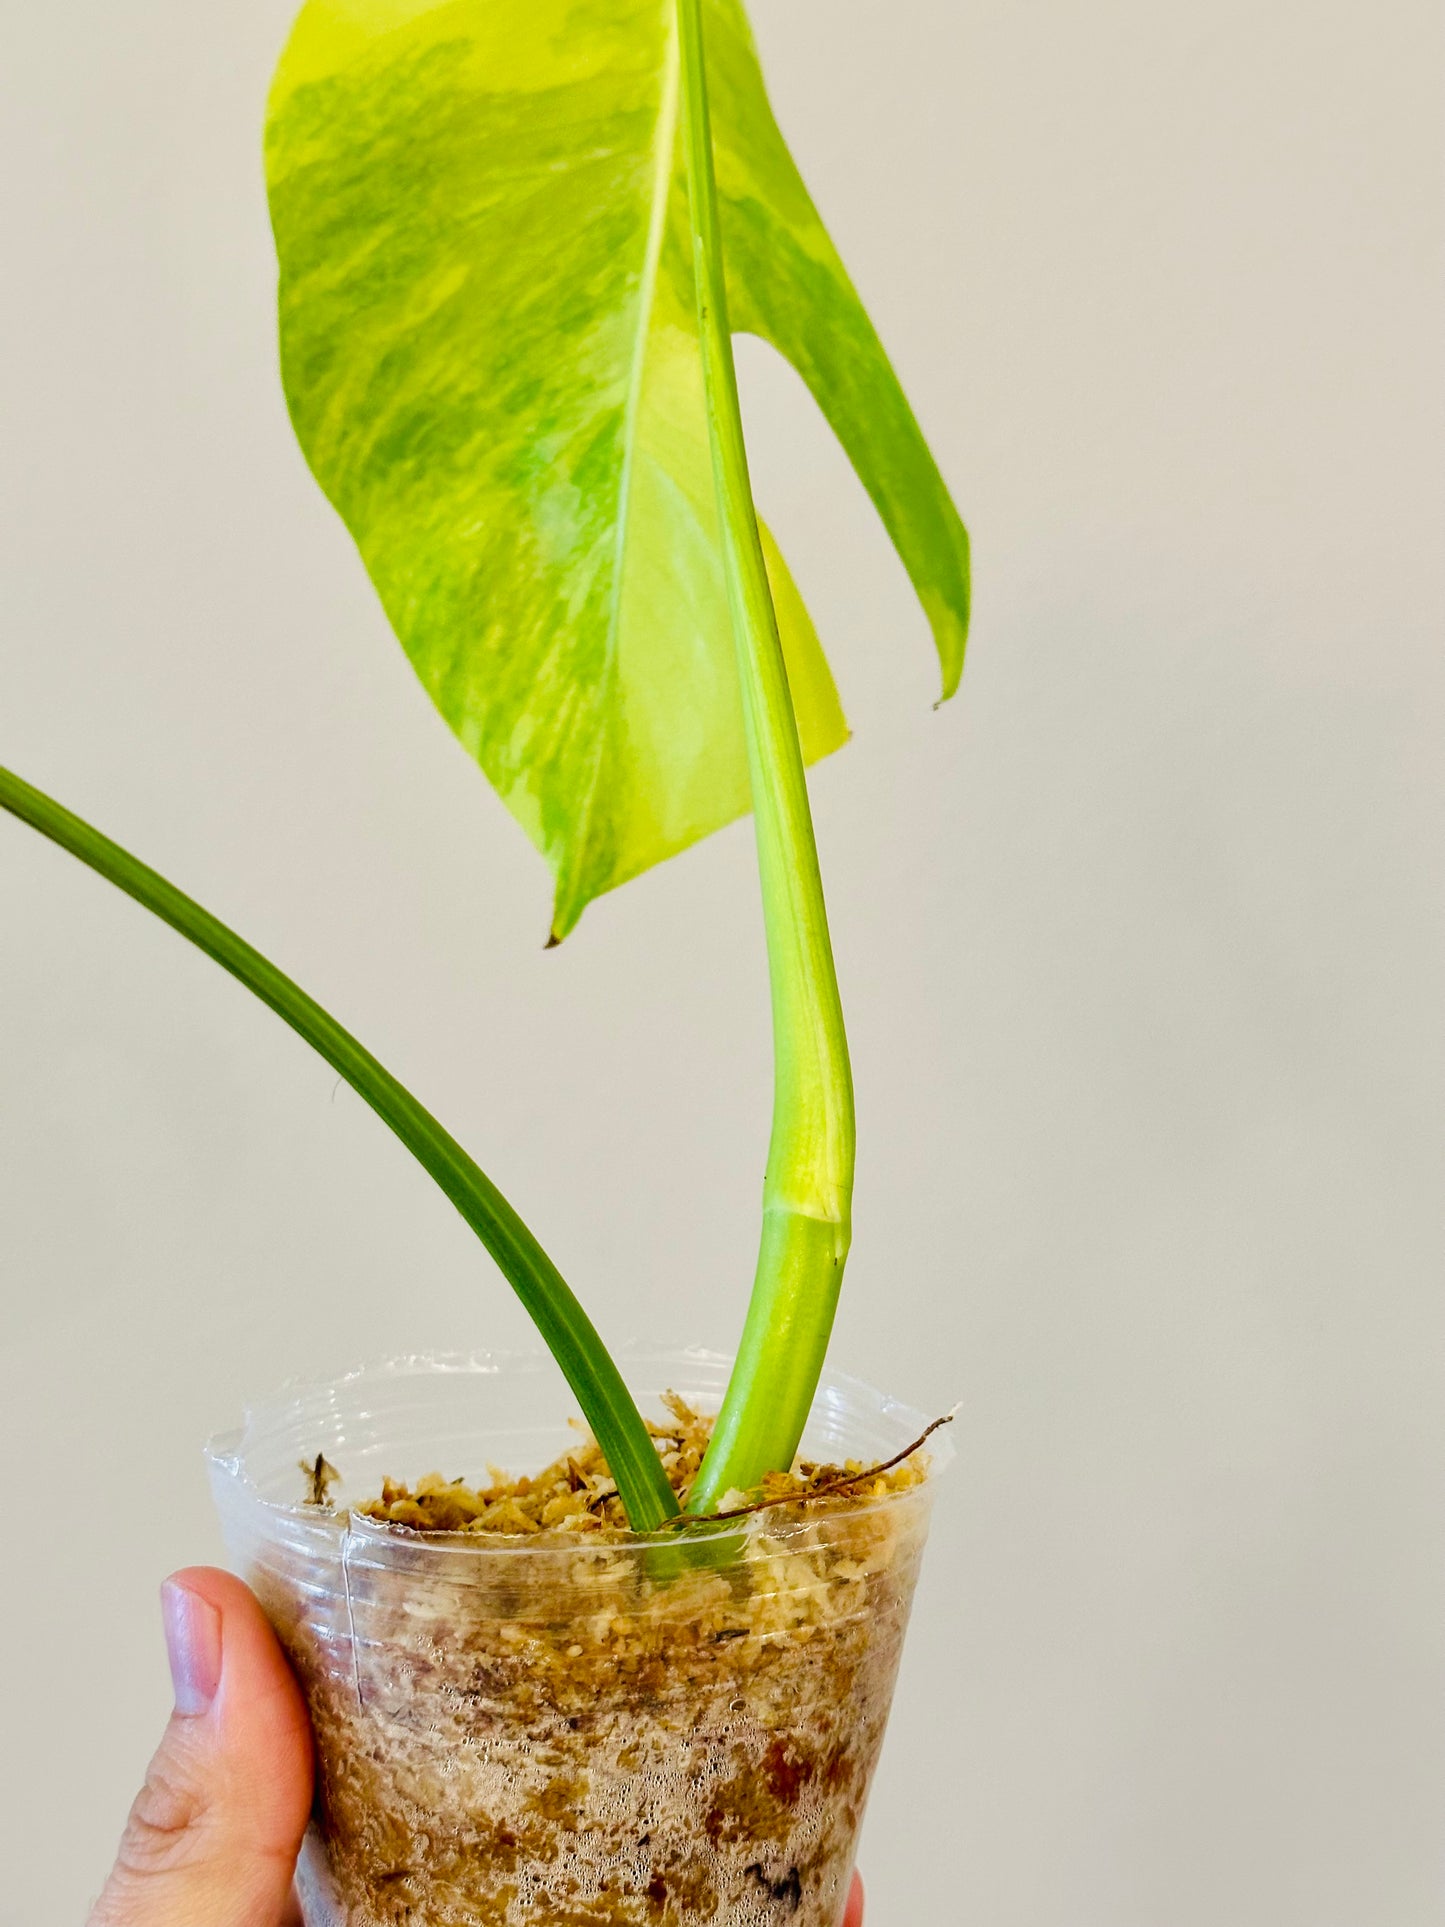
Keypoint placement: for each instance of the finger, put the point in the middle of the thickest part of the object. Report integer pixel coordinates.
(853, 1913)
(213, 1835)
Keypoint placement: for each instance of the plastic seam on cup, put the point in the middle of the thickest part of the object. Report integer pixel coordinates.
(346, 1538)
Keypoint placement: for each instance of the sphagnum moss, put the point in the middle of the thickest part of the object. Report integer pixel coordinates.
(577, 1492)
(551, 1733)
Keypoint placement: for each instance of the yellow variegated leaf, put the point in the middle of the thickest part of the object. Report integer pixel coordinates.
(490, 354)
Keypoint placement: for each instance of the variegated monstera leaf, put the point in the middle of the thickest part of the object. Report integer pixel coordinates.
(490, 355)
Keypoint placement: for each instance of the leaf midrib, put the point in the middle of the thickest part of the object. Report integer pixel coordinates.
(664, 147)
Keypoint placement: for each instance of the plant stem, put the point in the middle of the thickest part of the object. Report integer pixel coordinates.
(807, 1193)
(569, 1333)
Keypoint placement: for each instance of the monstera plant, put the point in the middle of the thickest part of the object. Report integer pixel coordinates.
(516, 238)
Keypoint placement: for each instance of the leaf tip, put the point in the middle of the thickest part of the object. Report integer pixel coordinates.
(952, 661)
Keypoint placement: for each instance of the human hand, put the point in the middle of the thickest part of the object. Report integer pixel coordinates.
(213, 1836)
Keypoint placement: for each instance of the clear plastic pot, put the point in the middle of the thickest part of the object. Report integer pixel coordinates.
(572, 1732)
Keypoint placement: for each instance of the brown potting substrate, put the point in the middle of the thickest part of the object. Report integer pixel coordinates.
(565, 1728)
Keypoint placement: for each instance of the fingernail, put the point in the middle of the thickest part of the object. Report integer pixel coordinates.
(193, 1646)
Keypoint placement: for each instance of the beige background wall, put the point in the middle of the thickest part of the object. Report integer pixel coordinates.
(1142, 939)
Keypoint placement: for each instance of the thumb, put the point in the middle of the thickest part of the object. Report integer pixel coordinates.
(214, 1833)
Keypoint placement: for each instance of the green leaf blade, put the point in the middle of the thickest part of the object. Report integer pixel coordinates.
(787, 284)
(489, 350)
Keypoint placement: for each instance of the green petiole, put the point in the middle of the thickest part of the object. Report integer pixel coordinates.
(807, 1193)
(570, 1335)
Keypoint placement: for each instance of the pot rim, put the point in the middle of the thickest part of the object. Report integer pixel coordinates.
(226, 1452)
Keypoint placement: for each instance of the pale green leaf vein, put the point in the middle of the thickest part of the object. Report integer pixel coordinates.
(663, 157)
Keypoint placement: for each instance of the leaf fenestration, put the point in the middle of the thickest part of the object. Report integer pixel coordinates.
(490, 355)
